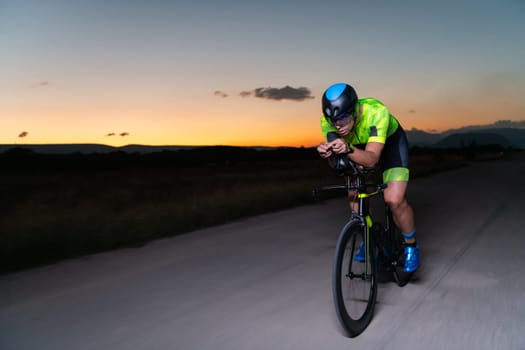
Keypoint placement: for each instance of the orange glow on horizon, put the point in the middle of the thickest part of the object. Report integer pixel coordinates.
(231, 121)
(215, 125)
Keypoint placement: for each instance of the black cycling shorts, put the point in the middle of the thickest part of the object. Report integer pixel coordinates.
(394, 158)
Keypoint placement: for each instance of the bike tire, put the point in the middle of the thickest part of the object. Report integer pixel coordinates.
(354, 284)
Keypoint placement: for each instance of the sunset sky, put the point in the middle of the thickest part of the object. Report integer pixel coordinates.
(209, 72)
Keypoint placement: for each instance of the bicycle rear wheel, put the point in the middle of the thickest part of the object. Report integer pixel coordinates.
(397, 249)
(354, 284)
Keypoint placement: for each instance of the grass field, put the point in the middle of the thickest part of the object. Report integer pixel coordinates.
(51, 212)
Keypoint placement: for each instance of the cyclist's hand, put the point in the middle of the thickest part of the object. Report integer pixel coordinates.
(339, 146)
(324, 149)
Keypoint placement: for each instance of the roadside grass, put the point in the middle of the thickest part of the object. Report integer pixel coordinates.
(54, 215)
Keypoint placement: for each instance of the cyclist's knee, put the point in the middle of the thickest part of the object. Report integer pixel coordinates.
(352, 196)
(395, 202)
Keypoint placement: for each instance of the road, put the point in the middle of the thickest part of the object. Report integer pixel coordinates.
(265, 282)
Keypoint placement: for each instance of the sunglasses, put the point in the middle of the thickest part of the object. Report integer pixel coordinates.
(341, 119)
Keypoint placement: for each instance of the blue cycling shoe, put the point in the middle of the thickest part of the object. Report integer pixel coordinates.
(411, 258)
(360, 256)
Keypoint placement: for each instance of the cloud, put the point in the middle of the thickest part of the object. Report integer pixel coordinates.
(517, 124)
(412, 111)
(285, 93)
(40, 84)
(23, 134)
(219, 93)
(269, 93)
(123, 134)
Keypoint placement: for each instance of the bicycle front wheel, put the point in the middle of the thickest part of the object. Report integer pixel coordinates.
(354, 284)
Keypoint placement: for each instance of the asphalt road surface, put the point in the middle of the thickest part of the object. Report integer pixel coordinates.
(265, 282)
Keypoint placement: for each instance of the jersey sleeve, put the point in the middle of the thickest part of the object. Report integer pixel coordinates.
(379, 123)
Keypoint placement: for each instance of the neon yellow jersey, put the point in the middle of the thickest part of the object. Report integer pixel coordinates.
(375, 125)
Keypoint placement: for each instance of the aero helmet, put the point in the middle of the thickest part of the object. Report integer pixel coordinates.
(339, 101)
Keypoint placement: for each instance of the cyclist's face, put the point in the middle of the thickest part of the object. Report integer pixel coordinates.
(344, 126)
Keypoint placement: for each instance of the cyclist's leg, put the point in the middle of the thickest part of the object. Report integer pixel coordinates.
(403, 216)
(352, 201)
(402, 212)
(394, 159)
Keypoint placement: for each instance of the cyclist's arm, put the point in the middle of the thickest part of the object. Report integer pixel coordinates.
(368, 157)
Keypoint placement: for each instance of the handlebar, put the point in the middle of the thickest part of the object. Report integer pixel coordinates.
(355, 180)
(355, 176)
(352, 185)
(344, 166)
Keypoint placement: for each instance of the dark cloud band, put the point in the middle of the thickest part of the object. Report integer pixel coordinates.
(40, 84)
(219, 93)
(114, 134)
(285, 93)
(269, 93)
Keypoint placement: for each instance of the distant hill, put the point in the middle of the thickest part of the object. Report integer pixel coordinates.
(503, 136)
(500, 124)
(516, 137)
(91, 148)
(151, 149)
(61, 148)
(25, 159)
(97, 148)
(422, 138)
(467, 139)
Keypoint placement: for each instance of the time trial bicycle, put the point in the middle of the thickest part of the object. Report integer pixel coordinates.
(355, 278)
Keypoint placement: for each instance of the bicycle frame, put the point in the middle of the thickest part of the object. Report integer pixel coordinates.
(356, 182)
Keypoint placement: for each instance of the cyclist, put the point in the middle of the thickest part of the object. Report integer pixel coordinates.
(364, 131)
